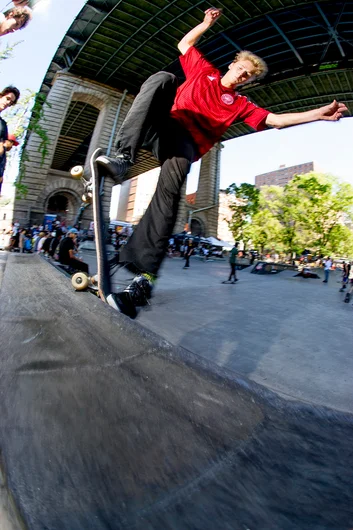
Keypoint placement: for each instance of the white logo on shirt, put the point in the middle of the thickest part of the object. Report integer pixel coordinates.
(227, 99)
(211, 77)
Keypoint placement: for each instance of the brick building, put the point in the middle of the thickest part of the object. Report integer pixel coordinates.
(281, 176)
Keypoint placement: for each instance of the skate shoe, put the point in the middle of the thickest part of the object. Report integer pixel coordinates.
(135, 295)
(116, 168)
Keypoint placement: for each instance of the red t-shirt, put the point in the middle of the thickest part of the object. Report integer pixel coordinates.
(206, 108)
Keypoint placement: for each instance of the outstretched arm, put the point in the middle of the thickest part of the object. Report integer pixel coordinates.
(331, 112)
(191, 38)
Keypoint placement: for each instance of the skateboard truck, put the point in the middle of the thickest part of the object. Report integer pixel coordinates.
(78, 172)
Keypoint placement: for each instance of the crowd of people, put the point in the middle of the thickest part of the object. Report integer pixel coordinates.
(59, 244)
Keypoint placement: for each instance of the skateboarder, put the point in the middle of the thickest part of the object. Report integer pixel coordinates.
(179, 125)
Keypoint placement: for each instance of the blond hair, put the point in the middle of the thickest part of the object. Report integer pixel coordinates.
(259, 64)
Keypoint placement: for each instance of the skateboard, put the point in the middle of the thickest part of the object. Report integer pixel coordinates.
(229, 282)
(93, 195)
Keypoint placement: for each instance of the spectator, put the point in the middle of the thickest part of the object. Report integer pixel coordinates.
(41, 241)
(232, 262)
(55, 243)
(189, 248)
(14, 19)
(328, 265)
(345, 273)
(8, 97)
(47, 243)
(21, 243)
(36, 241)
(8, 145)
(67, 251)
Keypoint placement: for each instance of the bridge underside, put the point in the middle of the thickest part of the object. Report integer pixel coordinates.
(307, 46)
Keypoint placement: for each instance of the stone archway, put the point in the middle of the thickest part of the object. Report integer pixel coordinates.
(63, 203)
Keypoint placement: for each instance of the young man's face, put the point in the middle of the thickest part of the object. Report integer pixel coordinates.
(9, 25)
(241, 71)
(7, 100)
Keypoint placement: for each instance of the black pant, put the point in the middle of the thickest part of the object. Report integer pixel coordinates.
(77, 264)
(149, 125)
(232, 272)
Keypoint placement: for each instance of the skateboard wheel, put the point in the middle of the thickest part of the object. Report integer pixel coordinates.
(80, 281)
(77, 172)
(94, 279)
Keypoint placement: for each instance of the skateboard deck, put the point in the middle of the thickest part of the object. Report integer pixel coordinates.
(100, 282)
(229, 282)
(103, 272)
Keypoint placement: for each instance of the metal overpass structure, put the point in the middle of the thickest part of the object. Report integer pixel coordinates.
(307, 45)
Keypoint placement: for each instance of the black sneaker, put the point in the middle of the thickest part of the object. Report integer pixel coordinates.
(114, 167)
(136, 294)
(122, 302)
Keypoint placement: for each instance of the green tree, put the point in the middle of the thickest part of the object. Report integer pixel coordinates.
(263, 231)
(7, 52)
(329, 203)
(309, 211)
(246, 205)
(286, 206)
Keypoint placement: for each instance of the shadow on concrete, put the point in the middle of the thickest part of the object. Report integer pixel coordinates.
(104, 425)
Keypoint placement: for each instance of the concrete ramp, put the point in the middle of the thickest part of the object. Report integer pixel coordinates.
(106, 426)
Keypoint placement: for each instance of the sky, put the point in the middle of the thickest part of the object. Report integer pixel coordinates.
(328, 144)
(37, 42)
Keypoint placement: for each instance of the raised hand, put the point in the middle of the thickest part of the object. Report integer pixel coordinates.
(332, 112)
(212, 15)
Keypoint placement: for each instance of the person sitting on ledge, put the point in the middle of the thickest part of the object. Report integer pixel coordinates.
(67, 251)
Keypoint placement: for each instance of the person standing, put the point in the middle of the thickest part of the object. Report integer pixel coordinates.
(189, 249)
(8, 145)
(232, 262)
(8, 97)
(179, 125)
(345, 273)
(22, 239)
(328, 265)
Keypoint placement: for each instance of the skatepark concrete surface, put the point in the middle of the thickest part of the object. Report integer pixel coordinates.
(106, 424)
(292, 335)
